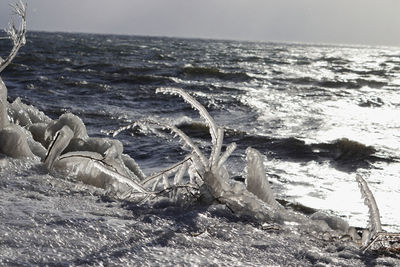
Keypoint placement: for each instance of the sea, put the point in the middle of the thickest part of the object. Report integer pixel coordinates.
(319, 114)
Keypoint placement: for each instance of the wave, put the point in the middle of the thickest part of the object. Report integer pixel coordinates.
(247, 59)
(334, 60)
(343, 152)
(140, 79)
(351, 84)
(371, 72)
(370, 83)
(212, 72)
(259, 59)
(195, 129)
(336, 84)
(98, 66)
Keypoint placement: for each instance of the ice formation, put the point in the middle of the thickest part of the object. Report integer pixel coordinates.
(256, 181)
(63, 145)
(375, 220)
(95, 161)
(374, 237)
(13, 140)
(29, 133)
(209, 179)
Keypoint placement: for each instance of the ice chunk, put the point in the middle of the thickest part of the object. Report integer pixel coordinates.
(257, 181)
(335, 223)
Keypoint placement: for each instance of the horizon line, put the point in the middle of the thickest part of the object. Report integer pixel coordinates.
(306, 43)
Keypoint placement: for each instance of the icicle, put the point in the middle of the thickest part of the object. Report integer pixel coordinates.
(369, 200)
(165, 181)
(180, 173)
(156, 183)
(124, 128)
(131, 164)
(226, 154)
(216, 149)
(193, 174)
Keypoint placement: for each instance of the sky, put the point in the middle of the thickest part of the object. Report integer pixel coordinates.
(366, 22)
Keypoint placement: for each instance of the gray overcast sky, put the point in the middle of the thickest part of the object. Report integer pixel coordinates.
(367, 22)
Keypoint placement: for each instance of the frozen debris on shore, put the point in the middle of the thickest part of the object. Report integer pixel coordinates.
(14, 142)
(375, 225)
(256, 199)
(374, 237)
(209, 180)
(257, 181)
(62, 144)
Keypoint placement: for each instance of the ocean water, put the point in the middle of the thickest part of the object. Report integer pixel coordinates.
(319, 113)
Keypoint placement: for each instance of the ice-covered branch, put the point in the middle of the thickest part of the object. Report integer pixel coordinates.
(369, 200)
(174, 130)
(229, 150)
(196, 105)
(216, 149)
(17, 35)
(174, 168)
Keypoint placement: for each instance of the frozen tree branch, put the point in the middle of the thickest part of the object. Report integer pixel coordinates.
(196, 105)
(17, 35)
